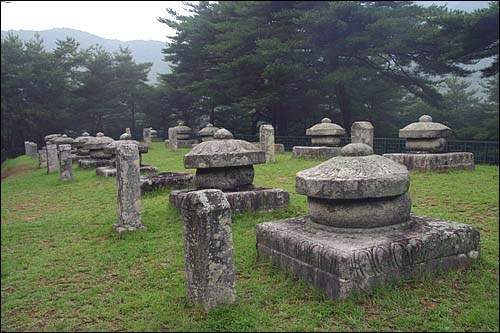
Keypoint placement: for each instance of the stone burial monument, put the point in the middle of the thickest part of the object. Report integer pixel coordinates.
(30, 149)
(325, 138)
(180, 137)
(426, 148)
(208, 249)
(110, 149)
(359, 232)
(207, 132)
(227, 164)
(78, 145)
(98, 157)
(66, 163)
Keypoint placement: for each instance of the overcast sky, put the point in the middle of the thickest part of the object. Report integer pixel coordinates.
(122, 20)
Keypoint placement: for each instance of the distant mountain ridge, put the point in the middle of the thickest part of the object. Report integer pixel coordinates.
(142, 50)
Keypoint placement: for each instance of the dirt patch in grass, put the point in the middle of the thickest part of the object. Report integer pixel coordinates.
(16, 170)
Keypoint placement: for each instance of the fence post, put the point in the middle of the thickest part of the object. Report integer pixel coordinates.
(486, 152)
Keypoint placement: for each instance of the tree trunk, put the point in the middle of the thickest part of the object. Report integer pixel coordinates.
(344, 105)
(132, 120)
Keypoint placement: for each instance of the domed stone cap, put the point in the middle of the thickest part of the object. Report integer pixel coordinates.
(425, 128)
(98, 142)
(51, 137)
(181, 128)
(223, 152)
(111, 148)
(82, 139)
(325, 128)
(356, 174)
(64, 139)
(208, 130)
(125, 136)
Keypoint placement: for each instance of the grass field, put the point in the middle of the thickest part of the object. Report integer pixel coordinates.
(64, 269)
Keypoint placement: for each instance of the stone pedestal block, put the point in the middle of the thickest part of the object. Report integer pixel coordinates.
(105, 171)
(341, 261)
(426, 145)
(248, 198)
(208, 249)
(266, 134)
(224, 178)
(128, 189)
(325, 141)
(362, 132)
(315, 153)
(42, 158)
(52, 159)
(435, 162)
(369, 213)
(175, 180)
(127, 130)
(92, 163)
(66, 166)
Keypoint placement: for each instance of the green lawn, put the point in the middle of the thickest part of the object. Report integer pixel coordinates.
(64, 269)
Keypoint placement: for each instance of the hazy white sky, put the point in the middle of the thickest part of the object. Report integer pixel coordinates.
(122, 20)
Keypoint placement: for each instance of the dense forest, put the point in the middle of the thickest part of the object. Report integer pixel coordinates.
(240, 64)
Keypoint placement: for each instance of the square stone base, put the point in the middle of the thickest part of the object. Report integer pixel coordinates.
(176, 180)
(341, 261)
(248, 198)
(76, 158)
(108, 171)
(92, 163)
(435, 162)
(315, 153)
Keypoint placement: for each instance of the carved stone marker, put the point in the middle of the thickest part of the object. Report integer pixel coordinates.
(267, 141)
(227, 164)
(362, 132)
(207, 133)
(127, 130)
(42, 158)
(325, 138)
(208, 249)
(426, 148)
(52, 159)
(172, 139)
(66, 166)
(30, 149)
(146, 136)
(359, 232)
(128, 188)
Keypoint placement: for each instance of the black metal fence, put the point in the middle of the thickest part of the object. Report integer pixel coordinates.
(485, 152)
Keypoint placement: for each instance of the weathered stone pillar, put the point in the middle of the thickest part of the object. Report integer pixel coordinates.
(362, 132)
(267, 141)
(27, 148)
(208, 249)
(128, 188)
(127, 130)
(42, 158)
(66, 165)
(146, 135)
(52, 159)
(34, 150)
(172, 139)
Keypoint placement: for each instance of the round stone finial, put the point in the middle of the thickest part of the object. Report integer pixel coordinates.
(99, 134)
(125, 136)
(209, 125)
(425, 119)
(356, 149)
(223, 134)
(326, 120)
(64, 136)
(85, 134)
(181, 123)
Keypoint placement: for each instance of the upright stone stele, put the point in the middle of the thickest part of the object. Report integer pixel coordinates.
(127, 130)
(128, 188)
(267, 141)
(42, 158)
(146, 136)
(27, 148)
(362, 132)
(208, 249)
(52, 159)
(66, 166)
(172, 139)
